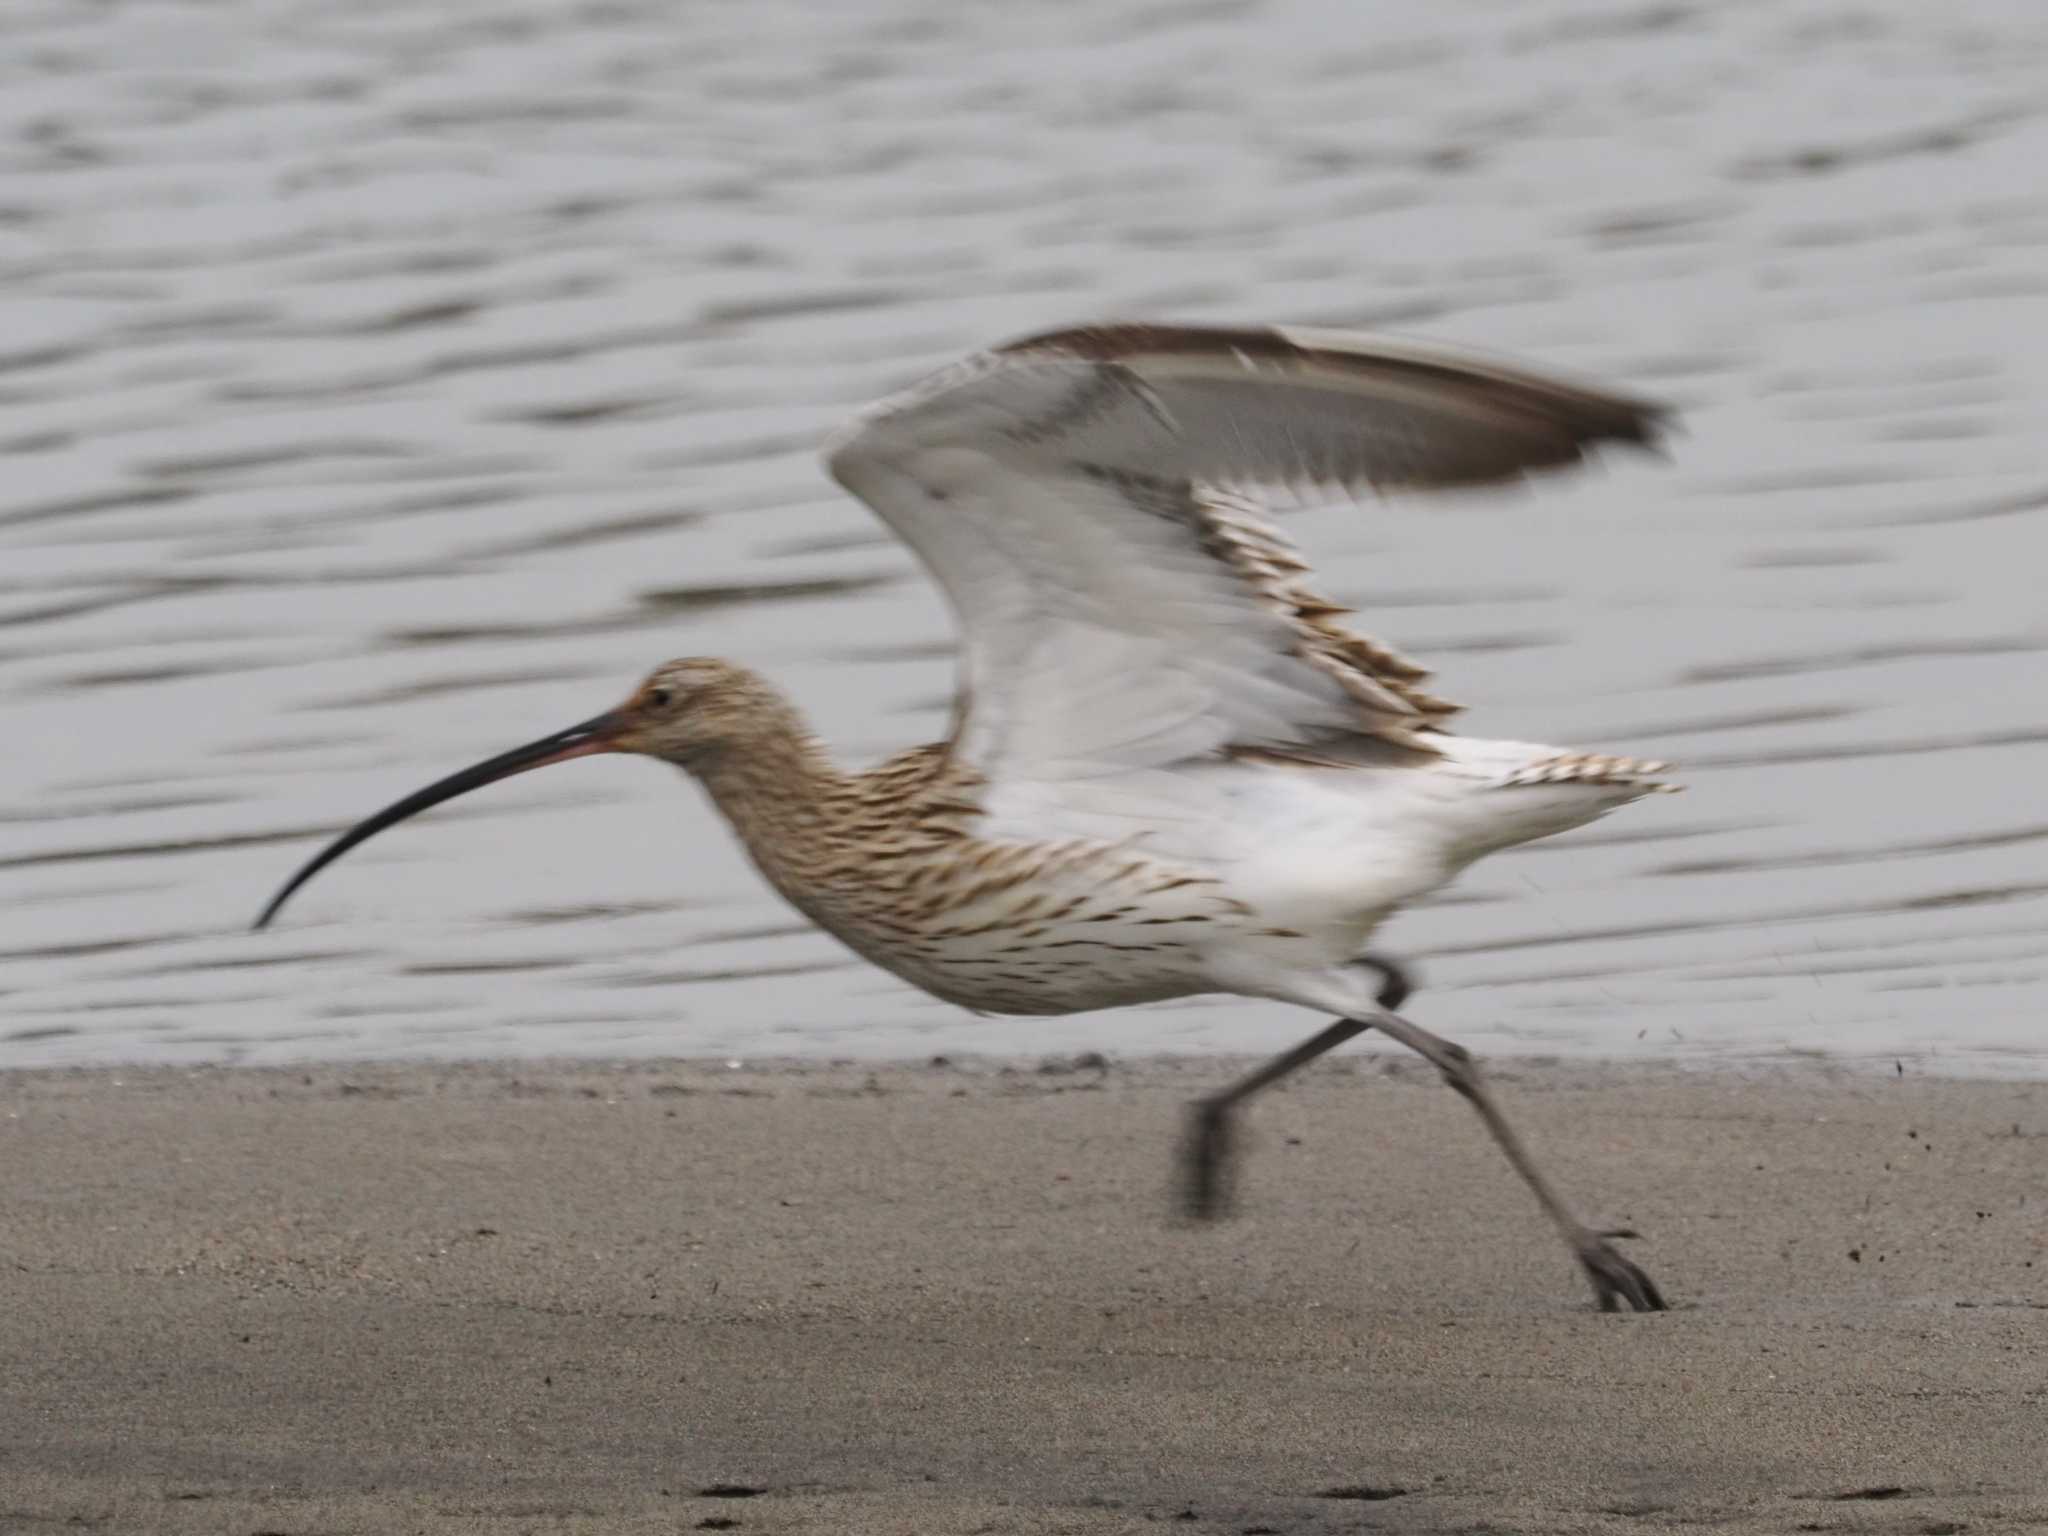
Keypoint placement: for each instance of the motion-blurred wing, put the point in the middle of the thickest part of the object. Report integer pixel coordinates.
(1082, 498)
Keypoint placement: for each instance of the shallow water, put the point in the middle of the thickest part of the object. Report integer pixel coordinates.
(383, 386)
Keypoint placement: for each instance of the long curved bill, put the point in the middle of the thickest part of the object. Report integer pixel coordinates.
(598, 734)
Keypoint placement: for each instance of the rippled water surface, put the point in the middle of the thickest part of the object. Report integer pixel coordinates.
(383, 385)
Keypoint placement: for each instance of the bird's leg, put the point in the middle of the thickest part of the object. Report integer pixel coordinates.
(1206, 1158)
(1206, 1162)
(1615, 1279)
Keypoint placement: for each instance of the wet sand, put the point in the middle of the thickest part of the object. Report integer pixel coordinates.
(673, 1296)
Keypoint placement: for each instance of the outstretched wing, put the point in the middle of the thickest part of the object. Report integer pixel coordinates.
(1084, 499)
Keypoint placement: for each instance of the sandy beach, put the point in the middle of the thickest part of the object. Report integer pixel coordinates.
(950, 1297)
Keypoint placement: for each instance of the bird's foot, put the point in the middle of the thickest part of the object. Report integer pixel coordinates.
(1206, 1162)
(1616, 1279)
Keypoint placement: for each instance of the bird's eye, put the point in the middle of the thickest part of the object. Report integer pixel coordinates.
(658, 698)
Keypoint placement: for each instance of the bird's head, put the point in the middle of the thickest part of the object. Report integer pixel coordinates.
(691, 712)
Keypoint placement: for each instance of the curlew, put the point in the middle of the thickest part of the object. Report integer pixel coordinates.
(1173, 768)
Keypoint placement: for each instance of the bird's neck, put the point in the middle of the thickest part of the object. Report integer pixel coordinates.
(780, 790)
